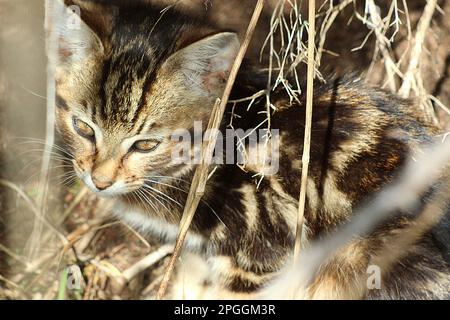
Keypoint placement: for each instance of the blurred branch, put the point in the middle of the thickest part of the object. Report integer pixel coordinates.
(34, 209)
(400, 244)
(402, 195)
(52, 10)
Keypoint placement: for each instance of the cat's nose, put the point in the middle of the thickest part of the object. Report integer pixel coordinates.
(101, 182)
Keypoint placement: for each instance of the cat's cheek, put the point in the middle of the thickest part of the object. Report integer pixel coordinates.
(133, 166)
(83, 151)
(85, 163)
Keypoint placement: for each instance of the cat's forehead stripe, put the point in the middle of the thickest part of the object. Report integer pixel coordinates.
(125, 93)
(131, 68)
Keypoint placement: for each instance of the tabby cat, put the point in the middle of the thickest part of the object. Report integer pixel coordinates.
(131, 75)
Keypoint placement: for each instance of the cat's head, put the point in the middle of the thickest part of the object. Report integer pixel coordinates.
(126, 79)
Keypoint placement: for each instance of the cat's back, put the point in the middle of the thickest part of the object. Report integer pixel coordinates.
(353, 124)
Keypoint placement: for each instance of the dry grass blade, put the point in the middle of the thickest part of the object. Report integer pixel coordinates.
(83, 192)
(201, 174)
(34, 209)
(383, 43)
(424, 24)
(308, 124)
(330, 17)
(147, 262)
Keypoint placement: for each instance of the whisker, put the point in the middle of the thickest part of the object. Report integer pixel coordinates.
(53, 155)
(43, 142)
(35, 148)
(69, 181)
(62, 166)
(64, 178)
(174, 187)
(186, 192)
(203, 201)
(143, 197)
(168, 177)
(162, 194)
(167, 185)
(51, 168)
(158, 199)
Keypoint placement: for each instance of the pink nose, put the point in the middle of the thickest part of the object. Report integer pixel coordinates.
(101, 182)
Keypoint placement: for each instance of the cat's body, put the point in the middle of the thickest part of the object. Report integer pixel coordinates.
(161, 72)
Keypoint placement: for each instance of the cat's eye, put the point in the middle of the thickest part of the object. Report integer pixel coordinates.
(83, 129)
(146, 145)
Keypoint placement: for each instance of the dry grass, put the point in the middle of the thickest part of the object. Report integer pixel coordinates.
(308, 125)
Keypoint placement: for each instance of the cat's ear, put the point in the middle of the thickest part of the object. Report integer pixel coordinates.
(79, 28)
(204, 65)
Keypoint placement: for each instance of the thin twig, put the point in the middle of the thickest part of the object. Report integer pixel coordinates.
(380, 27)
(201, 174)
(13, 255)
(147, 262)
(331, 16)
(416, 53)
(44, 259)
(136, 234)
(308, 124)
(83, 192)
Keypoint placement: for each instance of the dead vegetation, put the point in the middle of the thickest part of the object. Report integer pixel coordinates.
(52, 230)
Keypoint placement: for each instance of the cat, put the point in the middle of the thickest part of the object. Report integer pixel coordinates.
(130, 75)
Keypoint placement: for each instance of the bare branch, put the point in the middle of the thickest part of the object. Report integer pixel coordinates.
(308, 125)
(422, 27)
(201, 174)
